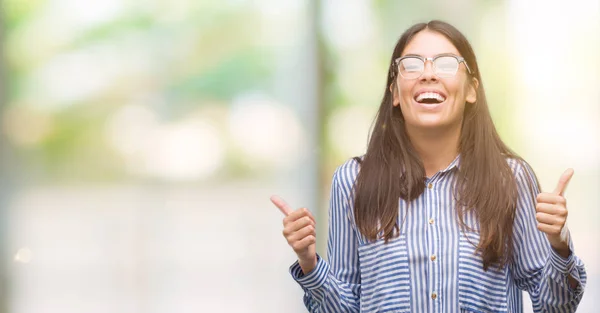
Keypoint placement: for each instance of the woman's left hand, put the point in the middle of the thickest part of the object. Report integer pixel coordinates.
(552, 215)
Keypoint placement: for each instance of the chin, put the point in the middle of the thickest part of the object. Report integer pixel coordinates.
(431, 122)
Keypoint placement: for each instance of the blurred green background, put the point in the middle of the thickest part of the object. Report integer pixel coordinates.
(142, 139)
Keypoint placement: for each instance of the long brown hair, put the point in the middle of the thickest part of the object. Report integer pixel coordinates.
(392, 169)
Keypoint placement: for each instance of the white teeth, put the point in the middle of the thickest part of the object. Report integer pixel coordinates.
(430, 95)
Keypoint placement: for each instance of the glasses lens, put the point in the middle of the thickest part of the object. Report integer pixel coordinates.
(411, 67)
(446, 66)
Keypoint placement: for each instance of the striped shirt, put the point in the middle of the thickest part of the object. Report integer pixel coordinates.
(433, 266)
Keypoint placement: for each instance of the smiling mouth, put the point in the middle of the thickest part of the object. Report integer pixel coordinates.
(430, 98)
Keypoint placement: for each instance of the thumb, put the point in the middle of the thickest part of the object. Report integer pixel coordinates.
(282, 205)
(564, 181)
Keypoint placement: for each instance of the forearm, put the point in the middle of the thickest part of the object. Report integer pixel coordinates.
(566, 253)
(323, 292)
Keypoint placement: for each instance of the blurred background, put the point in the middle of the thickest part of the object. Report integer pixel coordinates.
(141, 140)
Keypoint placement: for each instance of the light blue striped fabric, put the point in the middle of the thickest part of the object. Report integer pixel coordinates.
(402, 276)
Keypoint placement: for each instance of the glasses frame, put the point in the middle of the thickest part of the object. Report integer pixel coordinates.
(424, 59)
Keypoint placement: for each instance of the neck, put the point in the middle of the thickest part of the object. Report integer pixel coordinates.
(437, 148)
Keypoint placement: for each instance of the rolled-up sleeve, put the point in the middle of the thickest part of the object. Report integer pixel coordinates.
(537, 267)
(334, 285)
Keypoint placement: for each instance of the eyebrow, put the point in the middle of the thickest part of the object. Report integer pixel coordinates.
(411, 55)
(437, 55)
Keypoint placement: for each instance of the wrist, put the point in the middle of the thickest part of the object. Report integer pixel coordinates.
(561, 247)
(563, 252)
(307, 265)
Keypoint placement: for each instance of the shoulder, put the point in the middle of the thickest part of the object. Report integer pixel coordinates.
(524, 175)
(520, 169)
(345, 175)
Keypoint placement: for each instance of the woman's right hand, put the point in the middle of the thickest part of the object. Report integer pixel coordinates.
(299, 231)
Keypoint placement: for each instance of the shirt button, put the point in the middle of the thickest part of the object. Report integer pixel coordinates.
(434, 296)
(433, 257)
(430, 186)
(431, 221)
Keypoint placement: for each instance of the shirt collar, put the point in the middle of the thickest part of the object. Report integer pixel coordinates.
(454, 164)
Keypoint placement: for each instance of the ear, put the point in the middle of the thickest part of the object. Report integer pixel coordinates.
(472, 91)
(395, 96)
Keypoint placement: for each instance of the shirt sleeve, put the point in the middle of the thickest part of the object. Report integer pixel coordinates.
(537, 267)
(334, 285)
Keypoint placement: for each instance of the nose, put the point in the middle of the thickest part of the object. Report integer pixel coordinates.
(428, 72)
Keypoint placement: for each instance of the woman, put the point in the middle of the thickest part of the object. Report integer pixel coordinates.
(438, 215)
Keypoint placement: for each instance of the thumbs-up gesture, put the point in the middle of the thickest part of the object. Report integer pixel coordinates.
(552, 215)
(299, 231)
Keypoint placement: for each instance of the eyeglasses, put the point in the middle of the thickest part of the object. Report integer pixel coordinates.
(444, 65)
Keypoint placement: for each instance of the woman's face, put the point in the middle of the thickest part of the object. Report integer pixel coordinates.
(418, 98)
